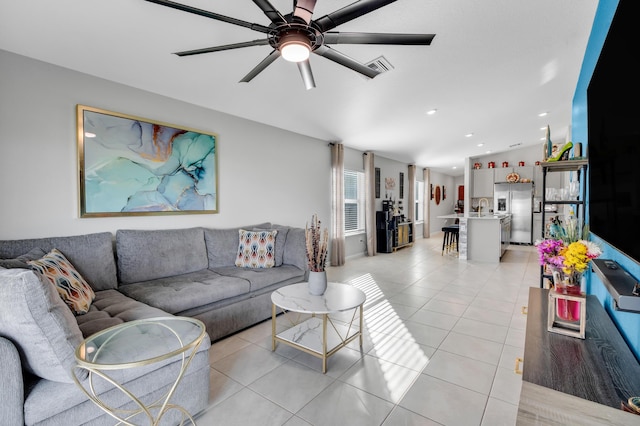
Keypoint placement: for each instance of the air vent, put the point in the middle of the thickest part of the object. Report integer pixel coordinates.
(515, 144)
(380, 64)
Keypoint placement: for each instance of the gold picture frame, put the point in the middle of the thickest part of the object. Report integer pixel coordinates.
(132, 166)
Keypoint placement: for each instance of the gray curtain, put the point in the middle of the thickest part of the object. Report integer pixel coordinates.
(370, 202)
(337, 204)
(411, 204)
(426, 227)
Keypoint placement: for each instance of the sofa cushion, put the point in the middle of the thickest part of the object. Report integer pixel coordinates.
(295, 249)
(49, 403)
(21, 261)
(149, 255)
(39, 323)
(91, 255)
(187, 291)
(222, 244)
(110, 307)
(256, 249)
(72, 288)
(261, 278)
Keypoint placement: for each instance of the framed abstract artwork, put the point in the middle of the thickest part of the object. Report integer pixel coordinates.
(131, 166)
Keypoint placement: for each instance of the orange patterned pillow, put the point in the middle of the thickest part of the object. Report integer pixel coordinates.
(72, 288)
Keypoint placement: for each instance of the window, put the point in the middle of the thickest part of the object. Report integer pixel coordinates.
(353, 201)
(419, 201)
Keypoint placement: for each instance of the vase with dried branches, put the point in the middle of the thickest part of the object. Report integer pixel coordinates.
(317, 240)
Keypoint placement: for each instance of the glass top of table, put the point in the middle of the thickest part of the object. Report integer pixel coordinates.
(337, 298)
(141, 342)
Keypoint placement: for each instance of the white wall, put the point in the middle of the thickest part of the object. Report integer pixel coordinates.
(265, 173)
(447, 205)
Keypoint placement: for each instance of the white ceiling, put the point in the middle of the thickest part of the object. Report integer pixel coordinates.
(493, 66)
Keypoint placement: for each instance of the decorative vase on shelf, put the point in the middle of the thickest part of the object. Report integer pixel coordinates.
(317, 282)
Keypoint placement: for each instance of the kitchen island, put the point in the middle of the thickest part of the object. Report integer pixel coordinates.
(484, 237)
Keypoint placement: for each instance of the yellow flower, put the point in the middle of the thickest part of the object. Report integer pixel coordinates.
(575, 258)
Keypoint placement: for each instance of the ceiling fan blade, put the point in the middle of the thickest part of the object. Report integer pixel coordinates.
(271, 12)
(212, 15)
(347, 13)
(303, 9)
(378, 38)
(307, 75)
(346, 61)
(275, 54)
(260, 42)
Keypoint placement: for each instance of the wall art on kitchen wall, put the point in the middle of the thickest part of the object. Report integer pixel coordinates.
(401, 185)
(132, 166)
(377, 181)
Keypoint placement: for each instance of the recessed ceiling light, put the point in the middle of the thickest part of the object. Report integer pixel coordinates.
(454, 167)
(488, 152)
(468, 135)
(89, 135)
(480, 144)
(432, 111)
(543, 139)
(543, 128)
(542, 114)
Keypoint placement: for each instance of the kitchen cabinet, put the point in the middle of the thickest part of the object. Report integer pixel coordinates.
(525, 172)
(486, 237)
(482, 183)
(505, 234)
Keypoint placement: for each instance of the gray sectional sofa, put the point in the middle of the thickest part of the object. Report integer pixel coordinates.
(138, 274)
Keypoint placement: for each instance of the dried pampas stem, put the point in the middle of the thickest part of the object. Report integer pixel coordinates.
(317, 241)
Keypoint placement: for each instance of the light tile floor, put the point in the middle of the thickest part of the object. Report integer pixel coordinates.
(441, 339)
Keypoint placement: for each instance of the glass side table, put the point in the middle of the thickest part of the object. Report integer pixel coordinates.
(137, 344)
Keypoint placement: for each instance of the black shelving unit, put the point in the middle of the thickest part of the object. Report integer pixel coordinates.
(578, 166)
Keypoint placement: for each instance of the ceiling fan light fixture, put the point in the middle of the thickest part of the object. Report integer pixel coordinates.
(295, 47)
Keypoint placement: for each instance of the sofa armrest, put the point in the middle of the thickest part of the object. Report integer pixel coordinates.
(12, 388)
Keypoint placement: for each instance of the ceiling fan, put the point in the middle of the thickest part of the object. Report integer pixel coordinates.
(295, 35)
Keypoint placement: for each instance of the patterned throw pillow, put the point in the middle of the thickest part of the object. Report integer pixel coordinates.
(256, 249)
(72, 288)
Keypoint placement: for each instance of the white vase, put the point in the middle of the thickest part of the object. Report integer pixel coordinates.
(317, 282)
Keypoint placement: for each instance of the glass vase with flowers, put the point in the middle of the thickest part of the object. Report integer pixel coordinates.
(566, 256)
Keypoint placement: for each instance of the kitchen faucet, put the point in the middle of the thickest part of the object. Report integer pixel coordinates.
(480, 205)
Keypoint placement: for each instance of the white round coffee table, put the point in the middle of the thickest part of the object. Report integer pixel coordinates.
(312, 335)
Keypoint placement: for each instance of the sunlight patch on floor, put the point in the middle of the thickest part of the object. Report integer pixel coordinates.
(392, 341)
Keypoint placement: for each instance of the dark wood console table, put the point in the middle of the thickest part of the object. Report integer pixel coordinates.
(567, 380)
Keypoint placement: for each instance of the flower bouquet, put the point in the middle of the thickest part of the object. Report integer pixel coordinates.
(566, 256)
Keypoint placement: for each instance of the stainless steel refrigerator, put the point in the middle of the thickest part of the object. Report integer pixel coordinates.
(517, 200)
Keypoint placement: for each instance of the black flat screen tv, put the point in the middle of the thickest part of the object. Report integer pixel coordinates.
(613, 108)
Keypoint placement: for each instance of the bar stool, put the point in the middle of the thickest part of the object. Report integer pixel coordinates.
(450, 238)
